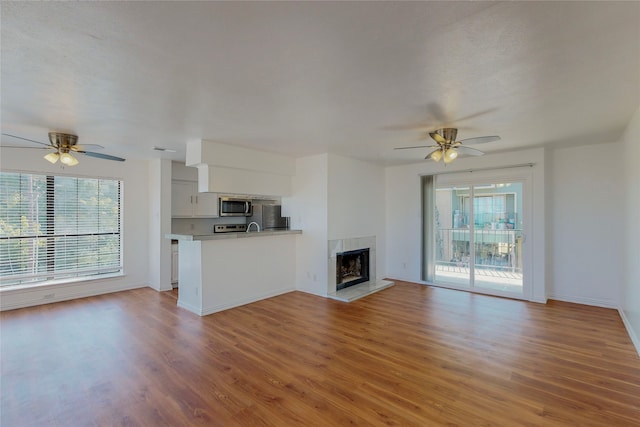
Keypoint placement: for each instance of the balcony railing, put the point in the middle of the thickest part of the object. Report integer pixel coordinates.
(495, 250)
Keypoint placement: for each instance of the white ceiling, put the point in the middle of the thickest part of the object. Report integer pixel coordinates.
(352, 78)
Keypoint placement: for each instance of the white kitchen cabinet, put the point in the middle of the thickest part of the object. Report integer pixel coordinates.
(181, 198)
(206, 204)
(186, 202)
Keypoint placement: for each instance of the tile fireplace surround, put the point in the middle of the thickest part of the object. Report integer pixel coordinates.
(360, 290)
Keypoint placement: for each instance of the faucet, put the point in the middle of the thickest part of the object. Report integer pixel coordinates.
(250, 224)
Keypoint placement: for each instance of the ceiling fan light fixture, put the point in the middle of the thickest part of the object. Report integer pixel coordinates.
(68, 159)
(52, 157)
(436, 156)
(450, 155)
(447, 145)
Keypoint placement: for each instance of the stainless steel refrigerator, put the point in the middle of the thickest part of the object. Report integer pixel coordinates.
(269, 217)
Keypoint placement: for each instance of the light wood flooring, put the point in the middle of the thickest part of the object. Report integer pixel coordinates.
(409, 355)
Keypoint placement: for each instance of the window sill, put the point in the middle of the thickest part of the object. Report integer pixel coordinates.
(59, 282)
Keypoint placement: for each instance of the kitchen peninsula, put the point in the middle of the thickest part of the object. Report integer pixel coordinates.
(221, 271)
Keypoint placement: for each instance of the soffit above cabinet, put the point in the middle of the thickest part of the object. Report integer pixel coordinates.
(238, 181)
(229, 156)
(228, 169)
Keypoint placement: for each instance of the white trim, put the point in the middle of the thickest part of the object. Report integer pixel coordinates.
(634, 338)
(22, 298)
(241, 301)
(401, 278)
(595, 302)
(187, 306)
(307, 291)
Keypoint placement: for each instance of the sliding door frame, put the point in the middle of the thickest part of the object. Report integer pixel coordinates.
(470, 179)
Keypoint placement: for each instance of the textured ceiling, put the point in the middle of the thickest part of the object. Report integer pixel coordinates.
(352, 78)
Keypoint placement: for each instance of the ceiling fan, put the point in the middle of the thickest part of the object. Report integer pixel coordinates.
(448, 148)
(63, 145)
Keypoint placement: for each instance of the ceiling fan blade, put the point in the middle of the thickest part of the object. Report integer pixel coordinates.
(478, 114)
(469, 151)
(28, 148)
(84, 147)
(102, 156)
(26, 139)
(438, 138)
(418, 146)
(480, 139)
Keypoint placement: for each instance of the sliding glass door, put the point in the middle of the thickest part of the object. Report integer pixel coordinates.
(475, 232)
(497, 223)
(453, 243)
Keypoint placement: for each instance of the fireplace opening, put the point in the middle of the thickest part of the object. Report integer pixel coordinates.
(352, 268)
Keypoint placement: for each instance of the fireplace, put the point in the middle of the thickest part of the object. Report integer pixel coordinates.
(352, 267)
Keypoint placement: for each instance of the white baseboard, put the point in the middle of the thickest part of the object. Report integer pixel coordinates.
(604, 303)
(242, 301)
(189, 307)
(630, 331)
(404, 278)
(306, 291)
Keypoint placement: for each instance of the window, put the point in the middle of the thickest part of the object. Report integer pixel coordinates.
(58, 227)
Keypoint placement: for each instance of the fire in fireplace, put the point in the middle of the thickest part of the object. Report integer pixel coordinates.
(352, 268)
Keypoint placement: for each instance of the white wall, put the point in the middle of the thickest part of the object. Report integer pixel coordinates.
(586, 231)
(404, 213)
(309, 212)
(135, 221)
(404, 221)
(159, 224)
(630, 289)
(356, 203)
(334, 197)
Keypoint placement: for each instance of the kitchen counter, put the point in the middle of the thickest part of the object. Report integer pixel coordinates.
(225, 270)
(225, 236)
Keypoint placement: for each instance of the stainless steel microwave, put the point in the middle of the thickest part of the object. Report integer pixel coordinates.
(230, 206)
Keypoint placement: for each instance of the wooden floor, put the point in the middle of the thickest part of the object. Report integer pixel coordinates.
(408, 355)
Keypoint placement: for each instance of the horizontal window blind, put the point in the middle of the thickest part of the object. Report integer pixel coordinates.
(57, 227)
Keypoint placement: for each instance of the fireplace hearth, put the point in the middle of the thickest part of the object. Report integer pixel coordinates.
(352, 267)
